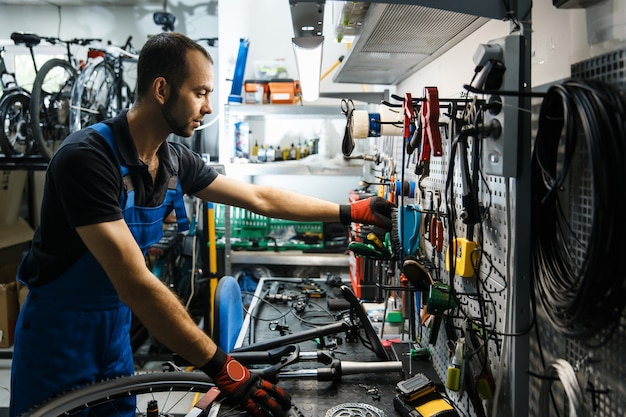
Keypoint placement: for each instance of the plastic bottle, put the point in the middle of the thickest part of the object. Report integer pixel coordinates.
(242, 140)
(292, 151)
(254, 155)
(285, 154)
(304, 150)
(279, 153)
(270, 154)
(262, 155)
(453, 380)
(298, 151)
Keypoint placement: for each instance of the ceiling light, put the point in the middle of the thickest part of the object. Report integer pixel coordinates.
(308, 51)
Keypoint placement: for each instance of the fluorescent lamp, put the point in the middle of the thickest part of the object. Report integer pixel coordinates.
(308, 51)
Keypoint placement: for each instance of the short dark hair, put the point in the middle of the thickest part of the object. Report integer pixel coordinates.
(165, 55)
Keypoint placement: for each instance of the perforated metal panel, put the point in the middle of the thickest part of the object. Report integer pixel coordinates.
(495, 277)
(601, 371)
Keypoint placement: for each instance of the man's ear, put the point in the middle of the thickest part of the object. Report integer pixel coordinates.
(160, 89)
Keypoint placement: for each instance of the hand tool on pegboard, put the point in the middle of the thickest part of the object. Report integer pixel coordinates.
(430, 121)
(430, 136)
(347, 145)
(461, 250)
(436, 236)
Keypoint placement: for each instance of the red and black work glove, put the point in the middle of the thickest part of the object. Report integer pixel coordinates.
(374, 210)
(259, 397)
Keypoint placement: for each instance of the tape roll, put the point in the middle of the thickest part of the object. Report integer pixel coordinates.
(387, 116)
(374, 125)
(360, 124)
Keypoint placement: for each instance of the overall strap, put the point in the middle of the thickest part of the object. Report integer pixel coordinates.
(174, 191)
(127, 197)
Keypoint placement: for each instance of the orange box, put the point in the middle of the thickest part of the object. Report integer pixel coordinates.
(282, 91)
(256, 91)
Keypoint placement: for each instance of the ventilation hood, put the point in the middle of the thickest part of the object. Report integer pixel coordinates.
(396, 40)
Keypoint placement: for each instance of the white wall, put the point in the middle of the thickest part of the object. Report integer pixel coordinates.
(559, 38)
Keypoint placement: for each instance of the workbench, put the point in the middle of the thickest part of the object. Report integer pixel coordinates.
(359, 382)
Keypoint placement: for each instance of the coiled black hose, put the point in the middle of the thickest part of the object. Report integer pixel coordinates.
(582, 295)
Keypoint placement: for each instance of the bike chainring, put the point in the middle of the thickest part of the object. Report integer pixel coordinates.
(355, 410)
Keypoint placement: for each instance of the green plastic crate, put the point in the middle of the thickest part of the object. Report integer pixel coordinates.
(249, 230)
(310, 229)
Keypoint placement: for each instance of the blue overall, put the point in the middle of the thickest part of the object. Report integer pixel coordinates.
(75, 330)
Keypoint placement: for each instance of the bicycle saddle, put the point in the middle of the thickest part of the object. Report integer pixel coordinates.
(28, 39)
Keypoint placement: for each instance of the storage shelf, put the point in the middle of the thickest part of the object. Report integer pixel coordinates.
(293, 168)
(283, 110)
(289, 258)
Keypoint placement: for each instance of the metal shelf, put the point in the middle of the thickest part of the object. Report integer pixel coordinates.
(290, 258)
(283, 110)
(300, 167)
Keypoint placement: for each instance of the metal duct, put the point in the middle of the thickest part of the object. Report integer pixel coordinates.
(396, 40)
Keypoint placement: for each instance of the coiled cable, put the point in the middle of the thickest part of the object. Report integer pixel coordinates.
(582, 295)
(564, 372)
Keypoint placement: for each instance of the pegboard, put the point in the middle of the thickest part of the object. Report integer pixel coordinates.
(493, 282)
(598, 369)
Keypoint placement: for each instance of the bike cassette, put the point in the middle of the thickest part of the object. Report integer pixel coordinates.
(355, 410)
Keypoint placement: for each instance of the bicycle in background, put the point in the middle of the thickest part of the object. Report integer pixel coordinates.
(51, 95)
(16, 136)
(14, 114)
(101, 91)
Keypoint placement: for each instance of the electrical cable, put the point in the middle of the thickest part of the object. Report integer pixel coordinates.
(583, 298)
(567, 376)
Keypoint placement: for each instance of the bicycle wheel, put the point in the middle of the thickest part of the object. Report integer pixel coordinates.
(15, 136)
(92, 95)
(174, 391)
(50, 105)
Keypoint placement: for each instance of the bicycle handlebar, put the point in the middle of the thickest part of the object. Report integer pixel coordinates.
(118, 52)
(32, 39)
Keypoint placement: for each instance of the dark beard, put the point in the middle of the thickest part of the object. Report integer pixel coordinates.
(166, 111)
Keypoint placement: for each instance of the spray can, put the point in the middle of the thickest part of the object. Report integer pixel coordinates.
(242, 140)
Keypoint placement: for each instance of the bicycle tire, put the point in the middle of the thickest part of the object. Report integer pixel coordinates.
(15, 135)
(93, 95)
(100, 393)
(49, 105)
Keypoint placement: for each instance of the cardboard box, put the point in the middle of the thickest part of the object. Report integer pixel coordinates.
(12, 184)
(14, 242)
(9, 310)
(282, 91)
(8, 272)
(15, 233)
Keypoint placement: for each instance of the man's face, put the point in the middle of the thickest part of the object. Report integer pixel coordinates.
(185, 108)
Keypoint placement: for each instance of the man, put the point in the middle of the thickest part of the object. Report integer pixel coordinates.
(107, 191)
